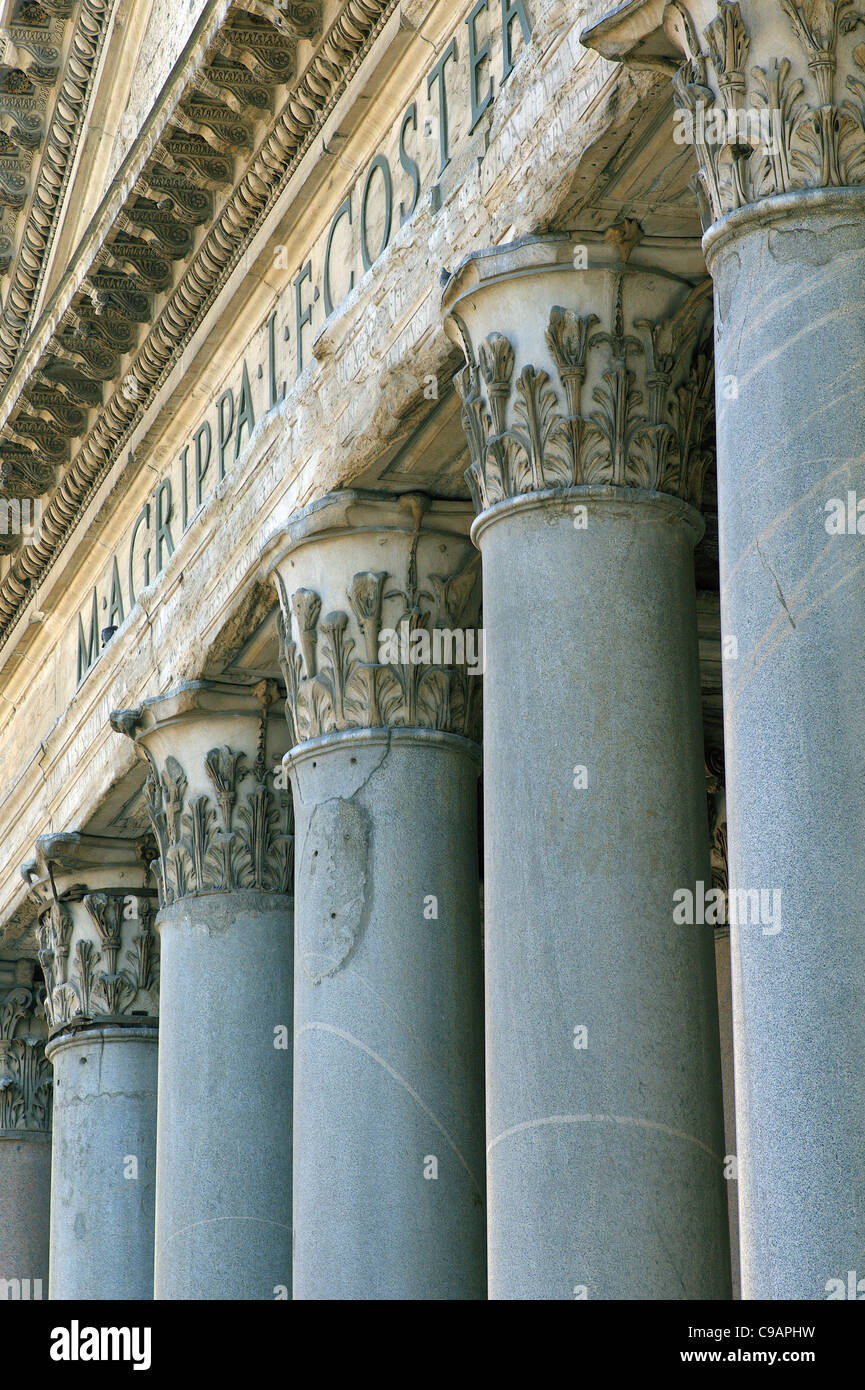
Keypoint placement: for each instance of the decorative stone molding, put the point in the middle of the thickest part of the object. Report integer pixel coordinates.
(221, 814)
(594, 376)
(25, 1075)
(97, 947)
(61, 142)
(372, 589)
(141, 234)
(774, 90)
(31, 43)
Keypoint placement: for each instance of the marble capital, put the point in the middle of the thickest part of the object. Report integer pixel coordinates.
(771, 92)
(588, 362)
(221, 814)
(380, 616)
(25, 1075)
(98, 951)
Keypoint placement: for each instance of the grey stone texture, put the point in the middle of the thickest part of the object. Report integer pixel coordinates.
(604, 1111)
(388, 1101)
(221, 816)
(223, 1227)
(789, 279)
(103, 1163)
(604, 1161)
(25, 1190)
(388, 1093)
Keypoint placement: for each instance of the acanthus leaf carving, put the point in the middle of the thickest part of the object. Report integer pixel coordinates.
(25, 1075)
(653, 407)
(365, 682)
(82, 936)
(241, 837)
(783, 125)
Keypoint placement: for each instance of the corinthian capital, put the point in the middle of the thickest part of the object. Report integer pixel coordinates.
(25, 1075)
(601, 374)
(771, 93)
(380, 616)
(220, 810)
(97, 946)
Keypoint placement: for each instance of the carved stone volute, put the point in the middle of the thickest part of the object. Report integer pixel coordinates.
(771, 93)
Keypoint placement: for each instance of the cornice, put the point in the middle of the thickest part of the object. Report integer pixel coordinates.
(28, 259)
(32, 43)
(94, 318)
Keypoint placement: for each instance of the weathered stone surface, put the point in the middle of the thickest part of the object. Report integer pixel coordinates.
(790, 597)
(604, 1113)
(222, 821)
(99, 957)
(223, 1216)
(332, 882)
(783, 207)
(389, 1012)
(388, 1139)
(103, 1163)
(25, 1134)
(236, 459)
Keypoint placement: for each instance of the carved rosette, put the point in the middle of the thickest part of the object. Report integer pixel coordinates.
(216, 794)
(380, 617)
(774, 92)
(98, 949)
(597, 376)
(25, 1075)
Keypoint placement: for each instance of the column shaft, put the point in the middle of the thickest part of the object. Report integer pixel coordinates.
(388, 1120)
(605, 1148)
(380, 600)
(770, 94)
(223, 1182)
(222, 819)
(790, 285)
(99, 955)
(25, 1191)
(25, 1135)
(103, 1164)
(585, 402)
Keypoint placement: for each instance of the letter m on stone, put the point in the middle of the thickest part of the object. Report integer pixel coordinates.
(88, 648)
